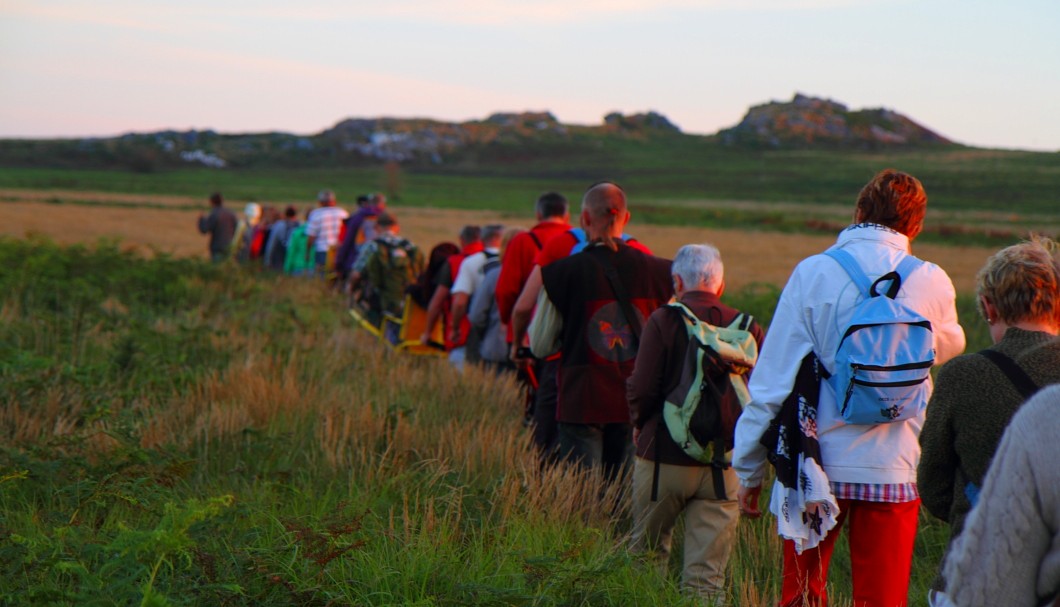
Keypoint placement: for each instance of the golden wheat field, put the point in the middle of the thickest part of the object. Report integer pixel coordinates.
(146, 223)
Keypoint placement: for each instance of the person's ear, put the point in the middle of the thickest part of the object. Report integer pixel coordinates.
(989, 311)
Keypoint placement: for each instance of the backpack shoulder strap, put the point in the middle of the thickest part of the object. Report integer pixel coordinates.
(580, 240)
(852, 269)
(742, 322)
(1019, 378)
(537, 241)
(684, 312)
(907, 266)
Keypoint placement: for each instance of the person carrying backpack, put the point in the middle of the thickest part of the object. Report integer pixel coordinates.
(279, 238)
(358, 231)
(869, 464)
(384, 269)
(592, 307)
(674, 372)
(467, 281)
(976, 395)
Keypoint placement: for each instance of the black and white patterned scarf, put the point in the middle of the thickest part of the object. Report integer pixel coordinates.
(802, 500)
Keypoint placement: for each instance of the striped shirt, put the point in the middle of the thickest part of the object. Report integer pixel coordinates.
(891, 494)
(325, 224)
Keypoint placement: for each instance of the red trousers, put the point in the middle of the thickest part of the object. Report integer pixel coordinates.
(881, 539)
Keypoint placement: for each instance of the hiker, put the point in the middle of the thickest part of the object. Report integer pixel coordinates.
(440, 305)
(359, 229)
(553, 217)
(245, 231)
(867, 470)
(279, 237)
(297, 261)
(666, 479)
(324, 230)
(468, 279)
(975, 396)
(423, 289)
(386, 266)
(1009, 551)
(544, 425)
(593, 313)
(484, 316)
(259, 236)
(220, 224)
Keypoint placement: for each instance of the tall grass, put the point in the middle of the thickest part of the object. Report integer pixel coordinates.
(176, 433)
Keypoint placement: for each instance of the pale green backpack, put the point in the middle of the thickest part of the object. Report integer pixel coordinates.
(701, 412)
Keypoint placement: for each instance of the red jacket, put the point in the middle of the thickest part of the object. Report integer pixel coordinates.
(519, 262)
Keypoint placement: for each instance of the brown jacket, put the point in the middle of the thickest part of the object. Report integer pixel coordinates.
(658, 371)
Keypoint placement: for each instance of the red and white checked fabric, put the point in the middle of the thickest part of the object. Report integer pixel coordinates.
(891, 494)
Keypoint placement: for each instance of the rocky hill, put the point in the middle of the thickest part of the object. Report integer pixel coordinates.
(498, 139)
(809, 121)
(350, 142)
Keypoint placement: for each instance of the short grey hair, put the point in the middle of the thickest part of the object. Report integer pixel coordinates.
(325, 196)
(699, 266)
(492, 233)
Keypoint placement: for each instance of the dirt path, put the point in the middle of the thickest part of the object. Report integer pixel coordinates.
(750, 256)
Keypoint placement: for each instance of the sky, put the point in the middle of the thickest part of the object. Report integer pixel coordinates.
(981, 72)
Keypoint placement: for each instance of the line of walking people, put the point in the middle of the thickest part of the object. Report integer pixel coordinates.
(601, 328)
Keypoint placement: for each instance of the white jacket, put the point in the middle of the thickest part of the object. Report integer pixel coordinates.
(816, 304)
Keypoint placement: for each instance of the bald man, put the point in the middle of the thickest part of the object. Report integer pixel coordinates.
(592, 307)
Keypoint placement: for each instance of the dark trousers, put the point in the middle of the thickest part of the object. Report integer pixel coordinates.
(608, 447)
(544, 428)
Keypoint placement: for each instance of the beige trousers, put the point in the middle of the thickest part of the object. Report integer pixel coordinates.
(710, 522)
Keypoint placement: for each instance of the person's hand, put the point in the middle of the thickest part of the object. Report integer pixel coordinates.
(517, 355)
(425, 339)
(454, 336)
(636, 436)
(747, 498)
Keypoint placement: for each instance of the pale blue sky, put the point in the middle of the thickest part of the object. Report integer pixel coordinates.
(985, 73)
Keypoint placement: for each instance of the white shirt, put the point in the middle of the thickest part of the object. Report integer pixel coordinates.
(325, 224)
(816, 304)
(470, 275)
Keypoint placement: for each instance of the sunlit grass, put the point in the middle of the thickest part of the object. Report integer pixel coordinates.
(177, 433)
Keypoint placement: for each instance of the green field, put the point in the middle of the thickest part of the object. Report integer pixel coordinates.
(975, 196)
(175, 433)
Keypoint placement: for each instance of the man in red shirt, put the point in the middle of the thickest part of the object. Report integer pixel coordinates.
(553, 217)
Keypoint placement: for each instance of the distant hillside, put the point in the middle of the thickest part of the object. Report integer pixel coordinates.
(808, 121)
(351, 142)
(496, 141)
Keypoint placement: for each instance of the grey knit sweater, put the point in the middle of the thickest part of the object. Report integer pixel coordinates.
(1009, 552)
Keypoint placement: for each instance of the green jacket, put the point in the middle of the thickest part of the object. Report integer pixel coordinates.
(297, 262)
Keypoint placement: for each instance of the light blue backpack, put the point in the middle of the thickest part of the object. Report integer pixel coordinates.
(885, 355)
